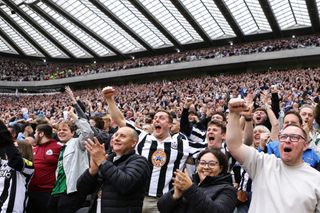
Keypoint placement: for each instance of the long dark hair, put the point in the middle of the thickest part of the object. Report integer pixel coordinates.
(222, 159)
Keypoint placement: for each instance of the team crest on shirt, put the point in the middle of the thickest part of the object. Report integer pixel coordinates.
(159, 158)
(49, 152)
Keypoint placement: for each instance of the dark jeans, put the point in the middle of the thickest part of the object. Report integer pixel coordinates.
(38, 202)
(66, 203)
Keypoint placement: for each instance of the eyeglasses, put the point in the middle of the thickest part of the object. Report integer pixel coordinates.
(211, 164)
(293, 137)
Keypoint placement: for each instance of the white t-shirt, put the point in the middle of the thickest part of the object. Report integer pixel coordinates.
(279, 188)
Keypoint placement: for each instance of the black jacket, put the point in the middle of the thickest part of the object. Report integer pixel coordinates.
(213, 195)
(123, 183)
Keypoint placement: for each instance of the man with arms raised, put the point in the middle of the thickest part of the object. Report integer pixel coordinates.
(164, 152)
(279, 185)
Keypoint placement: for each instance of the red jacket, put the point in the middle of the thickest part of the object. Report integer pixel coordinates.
(45, 164)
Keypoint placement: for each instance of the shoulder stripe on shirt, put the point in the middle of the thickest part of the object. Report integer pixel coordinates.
(141, 145)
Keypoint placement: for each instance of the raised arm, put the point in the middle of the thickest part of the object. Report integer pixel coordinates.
(234, 133)
(75, 103)
(248, 132)
(185, 126)
(272, 117)
(84, 127)
(275, 102)
(247, 120)
(116, 114)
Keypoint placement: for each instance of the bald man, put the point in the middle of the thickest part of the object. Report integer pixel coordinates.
(123, 174)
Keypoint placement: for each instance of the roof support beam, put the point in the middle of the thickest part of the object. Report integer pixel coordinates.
(191, 21)
(21, 32)
(314, 14)
(85, 29)
(153, 20)
(38, 28)
(294, 15)
(265, 5)
(63, 30)
(11, 43)
(227, 15)
(108, 13)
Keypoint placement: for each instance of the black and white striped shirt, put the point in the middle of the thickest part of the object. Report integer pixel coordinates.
(197, 140)
(164, 158)
(245, 182)
(13, 186)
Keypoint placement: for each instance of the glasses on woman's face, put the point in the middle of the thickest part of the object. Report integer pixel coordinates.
(211, 164)
(292, 137)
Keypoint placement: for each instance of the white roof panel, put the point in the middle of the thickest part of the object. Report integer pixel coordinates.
(172, 20)
(99, 23)
(50, 48)
(291, 13)
(5, 47)
(57, 34)
(209, 17)
(249, 15)
(20, 41)
(135, 20)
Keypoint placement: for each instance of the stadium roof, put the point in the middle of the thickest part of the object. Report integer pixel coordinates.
(93, 29)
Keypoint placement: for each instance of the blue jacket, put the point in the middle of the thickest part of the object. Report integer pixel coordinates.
(309, 155)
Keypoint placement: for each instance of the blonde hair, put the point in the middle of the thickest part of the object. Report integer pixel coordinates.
(263, 128)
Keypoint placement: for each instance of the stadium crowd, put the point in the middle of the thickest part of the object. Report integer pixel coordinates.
(168, 146)
(295, 87)
(22, 70)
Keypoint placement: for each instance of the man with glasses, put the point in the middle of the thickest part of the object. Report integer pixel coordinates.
(279, 185)
(309, 155)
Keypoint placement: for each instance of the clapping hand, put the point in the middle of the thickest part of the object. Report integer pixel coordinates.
(181, 183)
(97, 154)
